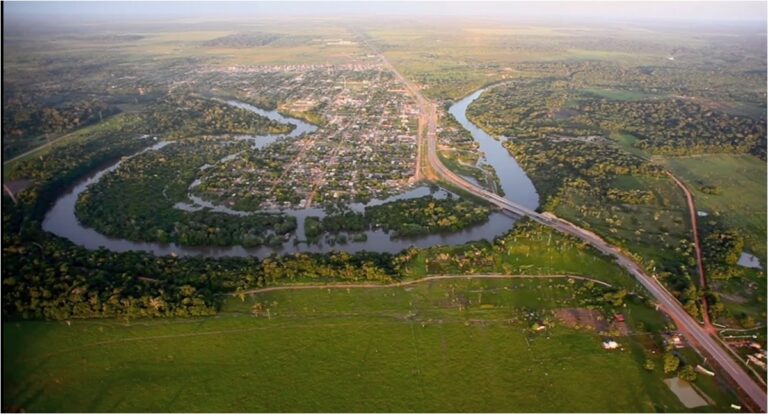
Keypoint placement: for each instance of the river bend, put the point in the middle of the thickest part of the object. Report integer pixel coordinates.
(61, 219)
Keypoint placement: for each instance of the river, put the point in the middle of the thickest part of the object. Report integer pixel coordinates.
(517, 187)
(61, 219)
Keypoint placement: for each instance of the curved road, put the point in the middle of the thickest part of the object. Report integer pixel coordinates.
(411, 282)
(698, 336)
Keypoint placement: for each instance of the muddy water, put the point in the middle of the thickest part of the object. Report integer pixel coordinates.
(61, 219)
(517, 186)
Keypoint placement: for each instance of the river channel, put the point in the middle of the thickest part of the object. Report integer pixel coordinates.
(61, 219)
(517, 186)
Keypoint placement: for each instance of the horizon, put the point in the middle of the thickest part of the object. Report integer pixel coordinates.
(708, 13)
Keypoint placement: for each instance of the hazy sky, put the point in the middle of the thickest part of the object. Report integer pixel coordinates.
(725, 11)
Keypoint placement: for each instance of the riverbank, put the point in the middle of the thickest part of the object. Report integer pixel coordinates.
(61, 219)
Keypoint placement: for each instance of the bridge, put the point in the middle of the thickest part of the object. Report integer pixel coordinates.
(699, 337)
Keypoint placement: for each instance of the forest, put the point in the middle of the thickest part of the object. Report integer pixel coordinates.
(426, 215)
(590, 143)
(557, 164)
(623, 197)
(400, 218)
(662, 124)
(82, 283)
(562, 115)
(184, 114)
(24, 120)
(118, 204)
(47, 277)
(256, 39)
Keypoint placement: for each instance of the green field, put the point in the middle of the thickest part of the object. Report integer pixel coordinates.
(529, 249)
(627, 142)
(652, 230)
(177, 41)
(617, 94)
(741, 204)
(452, 60)
(443, 346)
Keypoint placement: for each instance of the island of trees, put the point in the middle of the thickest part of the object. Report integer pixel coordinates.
(401, 218)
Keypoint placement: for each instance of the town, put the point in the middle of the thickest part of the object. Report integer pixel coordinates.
(384, 207)
(364, 147)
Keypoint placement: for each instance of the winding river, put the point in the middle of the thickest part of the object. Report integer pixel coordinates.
(515, 183)
(61, 220)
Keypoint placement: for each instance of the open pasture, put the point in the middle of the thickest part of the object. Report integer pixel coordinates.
(439, 346)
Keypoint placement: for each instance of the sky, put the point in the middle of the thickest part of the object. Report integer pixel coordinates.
(701, 11)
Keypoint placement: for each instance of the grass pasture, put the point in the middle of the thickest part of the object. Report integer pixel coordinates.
(168, 42)
(529, 249)
(617, 94)
(441, 346)
(450, 61)
(627, 142)
(641, 228)
(741, 203)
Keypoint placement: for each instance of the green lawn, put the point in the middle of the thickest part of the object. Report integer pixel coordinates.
(442, 346)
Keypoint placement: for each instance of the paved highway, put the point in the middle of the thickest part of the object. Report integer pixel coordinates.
(695, 333)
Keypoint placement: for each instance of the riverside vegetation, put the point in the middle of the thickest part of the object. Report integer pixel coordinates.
(589, 152)
(403, 218)
(107, 96)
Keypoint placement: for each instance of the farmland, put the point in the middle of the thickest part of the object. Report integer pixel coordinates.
(421, 348)
(234, 170)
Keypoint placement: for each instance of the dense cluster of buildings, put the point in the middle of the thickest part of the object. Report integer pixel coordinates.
(364, 147)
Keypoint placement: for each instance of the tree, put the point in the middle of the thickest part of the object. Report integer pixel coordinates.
(616, 298)
(687, 374)
(671, 362)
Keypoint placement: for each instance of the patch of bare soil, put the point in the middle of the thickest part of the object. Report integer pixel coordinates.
(621, 328)
(582, 318)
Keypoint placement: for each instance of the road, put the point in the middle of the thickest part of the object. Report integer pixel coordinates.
(425, 117)
(411, 282)
(36, 149)
(697, 249)
(698, 336)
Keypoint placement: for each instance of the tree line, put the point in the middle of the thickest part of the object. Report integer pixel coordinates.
(401, 218)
